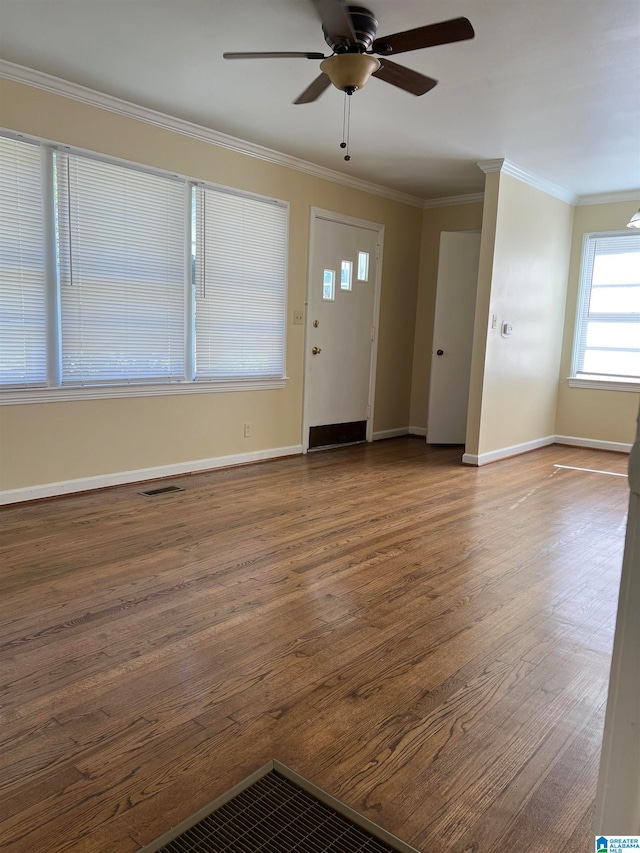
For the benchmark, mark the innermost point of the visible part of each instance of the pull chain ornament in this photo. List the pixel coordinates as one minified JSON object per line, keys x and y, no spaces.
{"x":346,"y":123}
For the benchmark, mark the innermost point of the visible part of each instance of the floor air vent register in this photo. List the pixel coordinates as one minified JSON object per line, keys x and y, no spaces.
{"x":277,"y":811}
{"x":161,"y":490}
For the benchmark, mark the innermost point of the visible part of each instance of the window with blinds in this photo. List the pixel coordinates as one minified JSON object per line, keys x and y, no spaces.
{"x":121,"y":251}
{"x":23,"y":313}
{"x":117,"y":275}
{"x":607,"y":340}
{"x":240,"y":281}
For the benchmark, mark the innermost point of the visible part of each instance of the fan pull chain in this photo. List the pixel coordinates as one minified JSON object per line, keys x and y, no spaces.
{"x":346,"y":124}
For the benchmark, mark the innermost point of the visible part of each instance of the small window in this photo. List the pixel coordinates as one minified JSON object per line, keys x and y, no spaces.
{"x":345,"y":275}
{"x":363,"y":266}
{"x":329,"y":285}
{"x":607,"y":338}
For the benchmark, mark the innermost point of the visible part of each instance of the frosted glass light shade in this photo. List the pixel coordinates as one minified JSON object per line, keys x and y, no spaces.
{"x":349,"y":71}
{"x":634,"y":222}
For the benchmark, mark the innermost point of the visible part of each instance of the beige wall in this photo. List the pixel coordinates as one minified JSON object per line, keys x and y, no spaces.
{"x":586,"y":412}
{"x":51,"y":442}
{"x":514,"y":385}
{"x":483,"y":298}
{"x":515,"y":380}
{"x":463,"y":217}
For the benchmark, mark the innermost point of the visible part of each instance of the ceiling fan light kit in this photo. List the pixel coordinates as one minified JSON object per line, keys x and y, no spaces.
{"x":349,"y":71}
{"x":350,"y":32}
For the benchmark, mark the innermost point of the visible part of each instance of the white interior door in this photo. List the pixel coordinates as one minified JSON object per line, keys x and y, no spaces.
{"x":453,"y":337}
{"x":341,"y":331}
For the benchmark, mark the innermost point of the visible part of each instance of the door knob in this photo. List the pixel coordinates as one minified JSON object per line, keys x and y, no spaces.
{"x":316,"y":350}
{"x":440,"y":352}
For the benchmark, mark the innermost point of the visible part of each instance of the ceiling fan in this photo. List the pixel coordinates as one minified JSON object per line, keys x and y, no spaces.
{"x":351,"y":33}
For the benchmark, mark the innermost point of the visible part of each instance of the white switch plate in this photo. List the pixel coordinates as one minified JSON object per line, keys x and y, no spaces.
{"x":298,"y":318}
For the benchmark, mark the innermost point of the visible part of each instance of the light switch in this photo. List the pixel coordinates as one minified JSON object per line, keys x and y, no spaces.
{"x":298,"y":318}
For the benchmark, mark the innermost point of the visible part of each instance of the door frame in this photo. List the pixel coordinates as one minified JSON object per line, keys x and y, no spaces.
{"x":318,"y":213}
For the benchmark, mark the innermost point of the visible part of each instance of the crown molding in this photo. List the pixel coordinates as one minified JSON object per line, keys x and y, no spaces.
{"x":610,"y":198}
{"x":488,"y":166}
{"x":76,"y":92}
{"x":452,"y":200}
{"x":509,"y":168}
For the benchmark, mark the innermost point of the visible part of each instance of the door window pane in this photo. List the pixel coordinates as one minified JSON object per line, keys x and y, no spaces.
{"x":329,"y":285}
{"x":345,"y":275}
{"x":363,"y":266}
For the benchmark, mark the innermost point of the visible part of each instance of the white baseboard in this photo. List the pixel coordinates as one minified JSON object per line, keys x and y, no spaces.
{"x":506,"y":452}
{"x":84,"y":484}
{"x":390,"y":433}
{"x":516,"y":449}
{"x":394,"y":433}
{"x":594,"y":443}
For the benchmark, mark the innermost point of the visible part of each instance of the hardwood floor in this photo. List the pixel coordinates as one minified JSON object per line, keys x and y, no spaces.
{"x":426,"y":641}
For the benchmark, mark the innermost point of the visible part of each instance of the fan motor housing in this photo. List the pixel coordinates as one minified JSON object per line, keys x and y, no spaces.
{"x":365,"y":27}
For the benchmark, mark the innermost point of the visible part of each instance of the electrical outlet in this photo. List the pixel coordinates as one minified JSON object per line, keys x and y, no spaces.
{"x":298,"y":318}
{"x":247,"y":430}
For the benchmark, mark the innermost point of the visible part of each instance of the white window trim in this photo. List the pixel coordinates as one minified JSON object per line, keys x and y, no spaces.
{"x":591,"y":381}
{"x":11,"y":396}
{"x":603,"y":384}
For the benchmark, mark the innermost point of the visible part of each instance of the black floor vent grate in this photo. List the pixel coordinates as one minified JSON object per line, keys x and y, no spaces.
{"x":276,"y":815}
{"x":162,"y":490}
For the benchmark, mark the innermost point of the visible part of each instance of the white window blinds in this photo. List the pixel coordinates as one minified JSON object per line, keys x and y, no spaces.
{"x":240,"y":280}
{"x":121,"y":244}
{"x":608,"y":322}
{"x":23,"y":349}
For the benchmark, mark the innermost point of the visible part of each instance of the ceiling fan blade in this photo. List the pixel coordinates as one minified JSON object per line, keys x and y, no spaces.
{"x":335,"y":20}
{"x":312,"y":92}
{"x":445,"y":32}
{"x":274,"y":55}
{"x":404,"y":78}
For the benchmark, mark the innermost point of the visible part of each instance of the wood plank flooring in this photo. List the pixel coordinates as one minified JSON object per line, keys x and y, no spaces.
{"x":426,"y":641}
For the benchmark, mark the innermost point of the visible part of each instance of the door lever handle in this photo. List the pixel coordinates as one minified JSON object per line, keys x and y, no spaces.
{"x":316,"y":350}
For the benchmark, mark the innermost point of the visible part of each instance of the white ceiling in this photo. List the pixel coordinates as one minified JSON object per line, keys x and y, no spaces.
{"x":551,"y":85}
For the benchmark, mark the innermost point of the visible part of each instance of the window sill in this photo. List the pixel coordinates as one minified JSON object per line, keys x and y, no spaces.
{"x":16,"y":396}
{"x":603,"y":384}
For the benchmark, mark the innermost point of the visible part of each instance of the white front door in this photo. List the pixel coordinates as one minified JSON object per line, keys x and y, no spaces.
{"x":341,"y":330}
{"x":453,"y":337}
